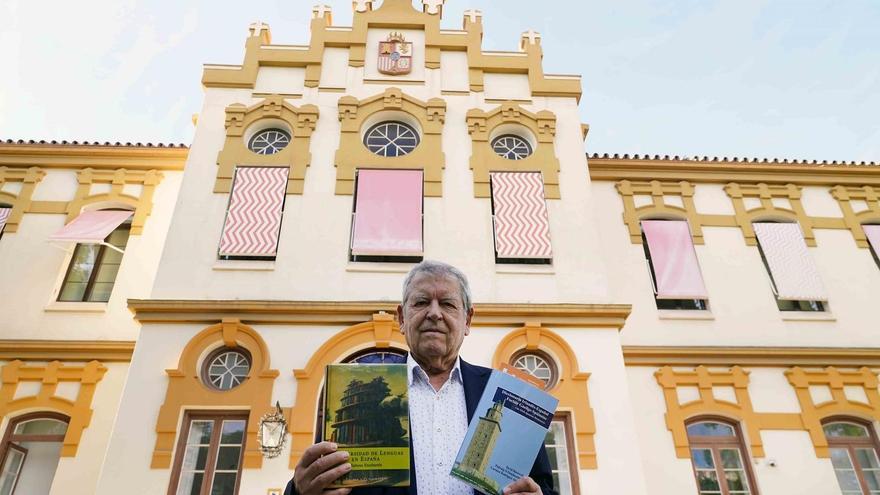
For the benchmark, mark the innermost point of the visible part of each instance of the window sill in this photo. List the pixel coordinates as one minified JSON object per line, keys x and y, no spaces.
{"x":244,"y":265}
{"x":75,"y":307}
{"x":526,"y":269}
{"x":685,"y":314}
{"x":378,"y":267}
{"x":807,"y":316}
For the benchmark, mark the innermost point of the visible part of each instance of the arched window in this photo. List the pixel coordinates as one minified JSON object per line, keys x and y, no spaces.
{"x":269,"y":141}
{"x":537,"y":364}
{"x":391,"y":139}
{"x":721,"y":464}
{"x":93,"y":267}
{"x":225,"y":368}
{"x":512,"y":147}
{"x":5,"y":211}
{"x":30,"y":453}
{"x":854,"y":455}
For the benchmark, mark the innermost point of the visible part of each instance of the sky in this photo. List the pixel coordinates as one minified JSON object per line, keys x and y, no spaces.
{"x":797,"y":79}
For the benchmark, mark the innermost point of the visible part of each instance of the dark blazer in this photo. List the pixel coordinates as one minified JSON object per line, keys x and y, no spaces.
{"x":474,"y":379}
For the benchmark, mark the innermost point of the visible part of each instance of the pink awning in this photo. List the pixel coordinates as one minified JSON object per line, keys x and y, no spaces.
{"x":873,"y":233}
{"x":388,"y":213}
{"x":522,"y":228}
{"x":91,"y":227}
{"x":253,"y":220}
{"x":4,"y":215}
{"x":795,"y":275}
{"x":676,"y":268}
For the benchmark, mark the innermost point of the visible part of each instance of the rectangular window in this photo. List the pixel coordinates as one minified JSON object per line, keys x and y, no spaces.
{"x":520,"y":221}
{"x":92,"y":272}
{"x":387,"y":217}
{"x":253,"y":217}
{"x":209,"y":454}
{"x":673,"y":265}
{"x":559,"y":444}
{"x":873,"y":234}
{"x":4,"y":215}
{"x":794,"y":276}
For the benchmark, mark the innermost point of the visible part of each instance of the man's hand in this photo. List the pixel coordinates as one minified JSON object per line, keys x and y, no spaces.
{"x":523,"y":486}
{"x":320,"y":465}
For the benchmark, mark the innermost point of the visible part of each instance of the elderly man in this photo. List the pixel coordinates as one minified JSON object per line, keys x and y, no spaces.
{"x":435,"y":316}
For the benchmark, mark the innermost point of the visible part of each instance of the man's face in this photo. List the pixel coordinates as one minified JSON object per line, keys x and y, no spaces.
{"x":434,"y":320}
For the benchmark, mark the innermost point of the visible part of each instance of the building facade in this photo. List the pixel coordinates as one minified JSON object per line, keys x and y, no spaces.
{"x":706,"y":324}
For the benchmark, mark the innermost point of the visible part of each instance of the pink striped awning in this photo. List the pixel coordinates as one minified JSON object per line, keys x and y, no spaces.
{"x":388,"y":213}
{"x":522,"y":228}
{"x":676,"y":268}
{"x":4,"y":215}
{"x":795,"y":275}
{"x":873,"y":233}
{"x":91,"y":227}
{"x":253,"y":220}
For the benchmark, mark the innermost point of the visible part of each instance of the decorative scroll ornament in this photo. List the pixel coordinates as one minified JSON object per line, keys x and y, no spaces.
{"x":395,"y":55}
{"x":272,"y":433}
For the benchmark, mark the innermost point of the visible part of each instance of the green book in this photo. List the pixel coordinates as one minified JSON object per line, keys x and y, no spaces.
{"x":366,"y":412}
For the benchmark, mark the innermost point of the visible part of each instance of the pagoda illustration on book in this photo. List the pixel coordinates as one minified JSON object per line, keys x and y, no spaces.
{"x":366,"y":412}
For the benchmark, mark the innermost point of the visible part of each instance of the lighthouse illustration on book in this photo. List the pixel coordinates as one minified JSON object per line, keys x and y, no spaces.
{"x":476,"y":458}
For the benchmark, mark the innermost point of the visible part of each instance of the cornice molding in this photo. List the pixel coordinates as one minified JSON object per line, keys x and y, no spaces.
{"x":66,"y":350}
{"x":775,"y":357}
{"x":721,"y":171}
{"x":353,"y":312}
{"x":97,"y":157}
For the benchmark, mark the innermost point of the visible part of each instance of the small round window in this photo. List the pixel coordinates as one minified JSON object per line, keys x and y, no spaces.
{"x":512,"y":147}
{"x":226,"y":369}
{"x":269,"y":141}
{"x":391,"y":139}
{"x":538,"y":365}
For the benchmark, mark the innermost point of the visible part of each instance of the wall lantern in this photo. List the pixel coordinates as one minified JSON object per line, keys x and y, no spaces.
{"x":273,"y":432}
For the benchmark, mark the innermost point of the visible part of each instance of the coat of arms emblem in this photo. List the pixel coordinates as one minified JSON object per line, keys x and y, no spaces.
{"x":395,"y":55}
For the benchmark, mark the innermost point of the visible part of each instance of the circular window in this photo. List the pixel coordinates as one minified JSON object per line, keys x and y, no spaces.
{"x":512,"y":147}
{"x":373,"y":356}
{"x":538,"y":365}
{"x":269,"y":141}
{"x":391,"y":139}
{"x":226,"y":369}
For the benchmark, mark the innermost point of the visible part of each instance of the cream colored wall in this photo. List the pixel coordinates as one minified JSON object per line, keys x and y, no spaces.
{"x":128,"y":456}
{"x":316,"y":224}
{"x":796,"y":470}
{"x":36,"y":269}
{"x":283,"y":80}
{"x":742,"y":307}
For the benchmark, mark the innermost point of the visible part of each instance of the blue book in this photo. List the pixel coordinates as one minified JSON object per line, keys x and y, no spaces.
{"x":505,"y":435}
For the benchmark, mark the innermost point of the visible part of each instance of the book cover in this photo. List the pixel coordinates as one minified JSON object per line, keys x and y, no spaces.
{"x":366,"y":413}
{"x":506,"y":434}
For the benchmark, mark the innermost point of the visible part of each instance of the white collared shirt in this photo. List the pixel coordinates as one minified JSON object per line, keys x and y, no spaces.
{"x":438,"y":423}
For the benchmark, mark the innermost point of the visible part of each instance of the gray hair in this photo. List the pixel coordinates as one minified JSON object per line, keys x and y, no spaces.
{"x":438,"y":268}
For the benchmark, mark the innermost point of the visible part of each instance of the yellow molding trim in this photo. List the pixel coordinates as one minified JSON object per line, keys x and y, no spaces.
{"x":186,"y":389}
{"x":393,"y":14}
{"x":482,"y":127}
{"x":840,"y":405}
{"x":571,"y":388}
{"x":52,"y":156}
{"x":852,"y":220}
{"x":356,"y":115}
{"x":704,"y":379}
{"x":66,"y":350}
{"x":380,"y":331}
{"x":775,"y":357}
{"x":21,"y":202}
{"x":615,"y":169}
{"x":79,"y":410}
{"x":766,"y":193}
{"x":354,"y":312}
{"x":296,"y":156}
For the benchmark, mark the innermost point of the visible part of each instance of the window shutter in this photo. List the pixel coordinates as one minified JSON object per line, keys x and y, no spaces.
{"x":388,"y":213}
{"x":522,"y":229}
{"x":674,"y":259}
{"x":795,"y":275}
{"x":91,"y":227}
{"x":253,"y":220}
{"x":4,"y":215}
{"x":872,"y":231}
